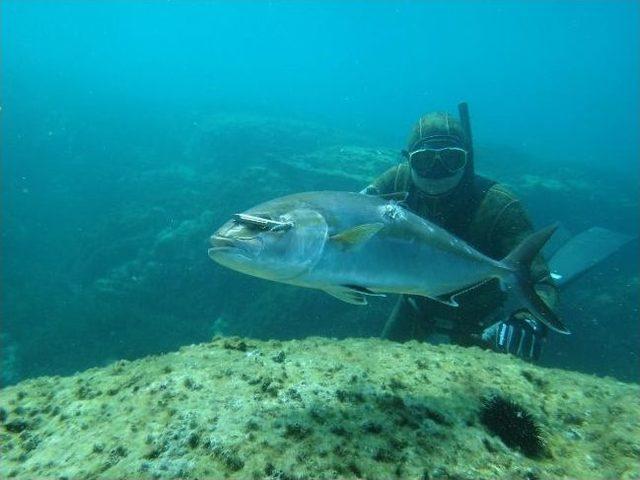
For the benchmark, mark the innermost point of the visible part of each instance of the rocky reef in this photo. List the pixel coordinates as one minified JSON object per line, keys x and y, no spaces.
{"x":126,"y":274}
{"x":320,"y":408}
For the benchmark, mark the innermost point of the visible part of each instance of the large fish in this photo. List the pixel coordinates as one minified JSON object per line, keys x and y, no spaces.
{"x":353,"y":245}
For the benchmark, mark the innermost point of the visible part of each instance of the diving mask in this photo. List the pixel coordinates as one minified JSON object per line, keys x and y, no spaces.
{"x":425,"y":161}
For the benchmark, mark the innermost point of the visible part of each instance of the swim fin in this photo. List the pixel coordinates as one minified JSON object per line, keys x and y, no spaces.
{"x":583,"y":252}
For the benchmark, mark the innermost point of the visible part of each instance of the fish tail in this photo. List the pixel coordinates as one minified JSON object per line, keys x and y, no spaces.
{"x":520,"y":284}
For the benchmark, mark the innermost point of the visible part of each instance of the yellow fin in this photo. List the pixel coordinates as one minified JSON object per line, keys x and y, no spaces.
{"x":358,"y":234}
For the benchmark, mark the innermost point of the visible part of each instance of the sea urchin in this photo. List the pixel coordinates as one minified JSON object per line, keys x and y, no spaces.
{"x":516,"y":427}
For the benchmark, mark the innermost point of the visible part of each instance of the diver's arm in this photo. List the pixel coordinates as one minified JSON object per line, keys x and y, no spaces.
{"x":369,"y":190}
{"x":383,"y":184}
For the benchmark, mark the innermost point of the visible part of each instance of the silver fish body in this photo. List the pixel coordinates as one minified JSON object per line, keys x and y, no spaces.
{"x":353,"y":245}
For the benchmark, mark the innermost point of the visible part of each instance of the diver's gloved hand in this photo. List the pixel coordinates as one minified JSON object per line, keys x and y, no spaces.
{"x":520,"y":335}
{"x":369,"y":190}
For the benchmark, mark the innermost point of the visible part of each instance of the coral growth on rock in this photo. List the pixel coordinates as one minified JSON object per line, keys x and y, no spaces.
{"x":316,"y":408}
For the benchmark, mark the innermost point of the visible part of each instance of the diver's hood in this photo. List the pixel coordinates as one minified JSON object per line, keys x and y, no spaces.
{"x":437,"y":130}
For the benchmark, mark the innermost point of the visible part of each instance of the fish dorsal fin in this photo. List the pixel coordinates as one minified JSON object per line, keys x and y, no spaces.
{"x":357,"y":235}
{"x":353,"y":294}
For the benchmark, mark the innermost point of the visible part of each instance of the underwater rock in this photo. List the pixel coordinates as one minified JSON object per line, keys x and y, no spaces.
{"x":9,"y":359}
{"x":254,"y":137}
{"x":336,"y":410}
{"x":343,"y":167}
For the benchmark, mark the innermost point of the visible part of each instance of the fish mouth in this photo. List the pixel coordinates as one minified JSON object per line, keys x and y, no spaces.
{"x":225,"y":246}
{"x":219,"y":243}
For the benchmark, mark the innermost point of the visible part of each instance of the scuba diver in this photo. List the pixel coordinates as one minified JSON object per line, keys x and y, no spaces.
{"x":438,"y":177}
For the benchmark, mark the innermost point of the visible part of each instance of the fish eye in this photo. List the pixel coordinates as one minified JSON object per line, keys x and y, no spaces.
{"x":263,"y":222}
{"x":253,"y":222}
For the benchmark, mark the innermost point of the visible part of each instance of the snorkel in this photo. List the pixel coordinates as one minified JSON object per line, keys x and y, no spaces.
{"x":465,"y":122}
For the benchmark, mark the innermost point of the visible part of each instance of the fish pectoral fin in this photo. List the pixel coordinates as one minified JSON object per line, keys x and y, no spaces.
{"x":357,"y":235}
{"x":349,"y":295}
{"x":450,"y":298}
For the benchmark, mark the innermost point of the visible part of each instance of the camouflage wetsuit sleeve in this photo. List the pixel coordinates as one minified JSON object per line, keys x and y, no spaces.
{"x":385,"y":183}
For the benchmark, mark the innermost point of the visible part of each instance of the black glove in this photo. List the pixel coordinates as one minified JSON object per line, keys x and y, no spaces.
{"x":520,"y":335}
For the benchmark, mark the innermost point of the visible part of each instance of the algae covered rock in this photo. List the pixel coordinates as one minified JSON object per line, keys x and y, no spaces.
{"x":345,"y":167}
{"x":317,"y":408}
{"x":251,"y":136}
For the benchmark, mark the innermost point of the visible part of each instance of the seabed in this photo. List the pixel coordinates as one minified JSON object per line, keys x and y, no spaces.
{"x":315,"y":408}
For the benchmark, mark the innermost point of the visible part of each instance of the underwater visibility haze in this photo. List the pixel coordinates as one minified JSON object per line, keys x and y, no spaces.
{"x":131,"y":131}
